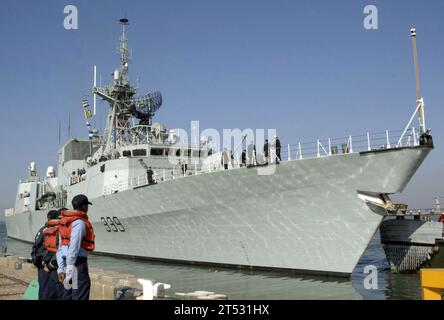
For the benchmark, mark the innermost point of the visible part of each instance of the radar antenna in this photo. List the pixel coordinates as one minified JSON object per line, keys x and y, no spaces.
{"x":124,"y":107}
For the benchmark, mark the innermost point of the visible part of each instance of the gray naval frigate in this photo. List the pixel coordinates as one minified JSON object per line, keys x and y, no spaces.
{"x":316,"y":213}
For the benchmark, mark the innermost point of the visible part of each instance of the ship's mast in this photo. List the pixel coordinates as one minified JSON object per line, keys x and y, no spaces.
{"x":124,"y":108}
{"x":123,"y":52}
{"x":419,"y":99}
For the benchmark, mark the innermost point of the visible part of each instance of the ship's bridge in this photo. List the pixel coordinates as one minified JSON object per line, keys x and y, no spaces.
{"x":164,"y":150}
{"x":76,"y":149}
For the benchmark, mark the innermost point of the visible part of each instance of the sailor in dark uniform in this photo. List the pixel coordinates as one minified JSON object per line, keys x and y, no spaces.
{"x":149,"y":174}
{"x":277,"y":146}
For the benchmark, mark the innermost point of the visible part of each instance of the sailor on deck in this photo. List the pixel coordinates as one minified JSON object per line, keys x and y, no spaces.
{"x":244,"y":158}
{"x":266,"y":151}
{"x":277,"y":147}
{"x":225,"y":159}
{"x":149,"y":174}
{"x":251,"y":151}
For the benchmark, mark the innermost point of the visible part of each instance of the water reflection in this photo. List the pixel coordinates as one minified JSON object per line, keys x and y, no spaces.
{"x":237,"y":284}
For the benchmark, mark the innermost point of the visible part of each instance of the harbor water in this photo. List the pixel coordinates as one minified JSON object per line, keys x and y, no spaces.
{"x":247,"y":284}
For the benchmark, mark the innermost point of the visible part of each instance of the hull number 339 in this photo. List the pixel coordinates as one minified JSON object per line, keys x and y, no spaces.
{"x":112,"y":224}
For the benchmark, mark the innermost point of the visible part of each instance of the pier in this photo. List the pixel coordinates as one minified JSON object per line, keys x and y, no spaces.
{"x":11,"y":288}
{"x":16,"y":275}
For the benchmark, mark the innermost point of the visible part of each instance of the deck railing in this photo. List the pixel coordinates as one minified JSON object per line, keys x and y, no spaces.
{"x":349,"y":144}
{"x":142,"y":180}
{"x":320,"y":148}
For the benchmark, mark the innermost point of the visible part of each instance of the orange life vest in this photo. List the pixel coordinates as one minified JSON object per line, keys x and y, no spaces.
{"x":68,"y":217}
{"x":51,"y":233}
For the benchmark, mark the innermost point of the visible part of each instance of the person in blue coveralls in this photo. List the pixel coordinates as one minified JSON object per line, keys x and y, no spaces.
{"x":75,"y":243}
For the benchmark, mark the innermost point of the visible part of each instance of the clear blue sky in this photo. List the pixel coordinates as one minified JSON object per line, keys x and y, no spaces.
{"x":307,"y":68}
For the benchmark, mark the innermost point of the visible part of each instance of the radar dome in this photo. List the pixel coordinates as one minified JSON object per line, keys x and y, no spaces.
{"x":50,"y":172}
{"x":157,"y":126}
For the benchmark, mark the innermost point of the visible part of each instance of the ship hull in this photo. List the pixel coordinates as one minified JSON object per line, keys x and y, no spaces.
{"x":306,"y":217}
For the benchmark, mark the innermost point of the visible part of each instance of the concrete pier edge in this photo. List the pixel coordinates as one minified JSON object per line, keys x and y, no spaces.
{"x":105,"y":284}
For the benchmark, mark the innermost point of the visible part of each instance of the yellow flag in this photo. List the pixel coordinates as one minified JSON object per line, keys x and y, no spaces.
{"x":87,"y":113}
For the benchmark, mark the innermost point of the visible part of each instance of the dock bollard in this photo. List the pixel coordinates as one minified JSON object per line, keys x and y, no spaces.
{"x":159,"y":289}
{"x":147,"y":286}
{"x":151,"y":290}
{"x":432,"y":282}
{"x":18,"y":265}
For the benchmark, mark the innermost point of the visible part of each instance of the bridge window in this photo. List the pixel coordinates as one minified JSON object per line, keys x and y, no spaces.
{"x":139,"y":152}
{"x":172,"y":152}
{"x":156,"y":151}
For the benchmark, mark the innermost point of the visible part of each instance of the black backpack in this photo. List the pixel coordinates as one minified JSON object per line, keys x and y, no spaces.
{"x":38,"y":249}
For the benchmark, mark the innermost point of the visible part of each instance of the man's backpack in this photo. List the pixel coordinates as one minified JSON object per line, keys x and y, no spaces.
{"x":38,"y":249}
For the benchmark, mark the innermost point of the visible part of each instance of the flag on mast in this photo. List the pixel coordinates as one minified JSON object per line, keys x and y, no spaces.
{"x":85,"y":104}
{"x":86,"y":109}
{"x":87,"y":114}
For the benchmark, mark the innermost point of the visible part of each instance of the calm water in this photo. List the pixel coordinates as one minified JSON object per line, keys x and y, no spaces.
{"x":240,"y":284}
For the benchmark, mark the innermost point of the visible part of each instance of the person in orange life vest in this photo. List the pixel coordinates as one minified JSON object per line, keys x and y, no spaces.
{"x":76,"y":236}
{"x":43,"y":257}
{"x":51,"y":242}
